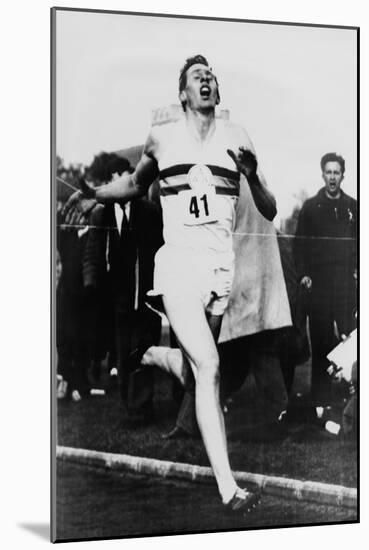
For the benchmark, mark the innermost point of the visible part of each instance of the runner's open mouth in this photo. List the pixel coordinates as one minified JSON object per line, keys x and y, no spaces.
{"x":205,"y":92}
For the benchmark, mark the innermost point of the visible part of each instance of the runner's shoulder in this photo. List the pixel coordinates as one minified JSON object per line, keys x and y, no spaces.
{"x":160,"y":136}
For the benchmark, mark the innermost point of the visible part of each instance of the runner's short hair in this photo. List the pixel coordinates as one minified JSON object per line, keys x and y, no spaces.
{"x":332,"y":157}
{"x":183,"y":73}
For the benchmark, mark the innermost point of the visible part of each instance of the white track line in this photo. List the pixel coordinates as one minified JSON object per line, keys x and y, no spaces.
{"x":311,"y":491}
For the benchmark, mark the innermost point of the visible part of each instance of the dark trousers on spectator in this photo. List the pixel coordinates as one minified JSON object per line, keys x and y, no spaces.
{"x":333,"y":302}
{"x":238,"y":358}
{"x":134,"y":329}
{"x":76,"y":323}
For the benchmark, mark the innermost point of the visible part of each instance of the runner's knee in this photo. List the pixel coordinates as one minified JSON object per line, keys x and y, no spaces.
{"x":207,"y":370}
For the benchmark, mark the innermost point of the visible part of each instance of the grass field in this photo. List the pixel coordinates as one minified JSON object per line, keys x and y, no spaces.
{"x":304,"y":452}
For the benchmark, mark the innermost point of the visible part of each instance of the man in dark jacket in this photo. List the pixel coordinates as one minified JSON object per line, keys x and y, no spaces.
{"x":120,"y":257}
{"x":326,"y":259}
{"x":76,"y":314}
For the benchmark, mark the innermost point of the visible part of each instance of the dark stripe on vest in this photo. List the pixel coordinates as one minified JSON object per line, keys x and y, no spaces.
{"x":175,"y":189}
{"x":183,"y":169}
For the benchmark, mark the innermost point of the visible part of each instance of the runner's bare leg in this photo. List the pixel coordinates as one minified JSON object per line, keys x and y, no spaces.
{"x":173,"y":360}
{"x":187,"y":318}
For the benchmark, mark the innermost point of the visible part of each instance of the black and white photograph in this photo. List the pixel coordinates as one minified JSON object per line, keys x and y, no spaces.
{"x":204,"y":228}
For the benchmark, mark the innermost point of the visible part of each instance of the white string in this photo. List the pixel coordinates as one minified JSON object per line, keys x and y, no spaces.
{"x":273,"y":235}
{"x":287,"y":236}
{"x":67,"y":183}
{"x":269,"y":235}
{"x":81,"y":225}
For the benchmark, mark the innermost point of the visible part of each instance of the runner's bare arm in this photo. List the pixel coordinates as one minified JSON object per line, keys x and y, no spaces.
{"x":245,"y":160}
{"x":122,"y":189}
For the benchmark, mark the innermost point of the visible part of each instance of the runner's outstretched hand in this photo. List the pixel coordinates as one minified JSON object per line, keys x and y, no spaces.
{"x":79,"y":205}
{"x":245,"y":160}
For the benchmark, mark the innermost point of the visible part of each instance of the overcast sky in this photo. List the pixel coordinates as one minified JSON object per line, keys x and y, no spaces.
{"x":293,"y":88}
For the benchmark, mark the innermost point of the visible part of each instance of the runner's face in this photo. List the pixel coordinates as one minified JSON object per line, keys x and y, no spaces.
{"x":201,"y":91}
{"x":332,"y":176}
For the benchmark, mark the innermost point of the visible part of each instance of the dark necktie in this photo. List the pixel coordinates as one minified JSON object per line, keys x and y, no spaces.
{"x":128,"y":251}
{"x":124,"y":228}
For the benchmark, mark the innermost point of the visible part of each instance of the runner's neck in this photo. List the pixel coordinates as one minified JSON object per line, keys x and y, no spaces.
{"x":202,"y":125}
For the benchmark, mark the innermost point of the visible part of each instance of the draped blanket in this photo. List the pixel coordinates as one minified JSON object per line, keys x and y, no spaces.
{"x":259,"y":298}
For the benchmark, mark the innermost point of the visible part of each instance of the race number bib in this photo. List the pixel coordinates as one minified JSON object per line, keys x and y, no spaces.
{"x":199,"y":203}
{"x":198,"y":208}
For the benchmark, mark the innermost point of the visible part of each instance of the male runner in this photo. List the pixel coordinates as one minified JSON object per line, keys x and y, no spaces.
{"x":195,"y":160}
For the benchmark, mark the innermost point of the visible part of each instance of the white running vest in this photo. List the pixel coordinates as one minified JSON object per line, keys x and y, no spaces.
{"x":199,"y":186}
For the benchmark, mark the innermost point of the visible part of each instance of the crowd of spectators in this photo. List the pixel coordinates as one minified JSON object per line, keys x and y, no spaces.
{"x":105,"y":269}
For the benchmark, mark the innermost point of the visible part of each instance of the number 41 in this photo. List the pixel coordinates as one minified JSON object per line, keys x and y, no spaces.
{"x":194,"y":206}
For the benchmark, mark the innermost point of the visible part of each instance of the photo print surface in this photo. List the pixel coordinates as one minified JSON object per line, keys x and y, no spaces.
{"x":204,"y":183}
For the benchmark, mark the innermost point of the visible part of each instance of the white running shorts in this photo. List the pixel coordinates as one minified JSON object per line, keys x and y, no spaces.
{"x":184,"y":271}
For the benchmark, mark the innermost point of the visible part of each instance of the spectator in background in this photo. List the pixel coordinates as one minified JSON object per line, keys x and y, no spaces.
{"x":120,"y":256}
{"x":75,"y":315}
{"x":292,"y":341}
{"x":99,"y":172}
{"x":62,"y":385}
{"x":343,"y":368}
{"x":326,"y":261}
{"x":349,"y":415}
{"x":58,"y":269}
